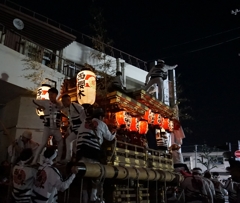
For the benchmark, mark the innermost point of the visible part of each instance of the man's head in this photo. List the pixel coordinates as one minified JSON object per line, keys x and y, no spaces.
{"x":98,"y":113}
{"x":160,"y":63}
{"x":66,"y":100}
{"x":53,"y":92}
{"x":26,"y":155}
{"x":50,"y":153}
{"x":197,"y":171}
{"x":207,"y":175}
{"x":215,"y":175}
{"x":26,"y":136}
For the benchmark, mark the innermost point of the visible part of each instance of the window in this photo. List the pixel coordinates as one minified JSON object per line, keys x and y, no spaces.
{"x":71,"y":70}
{"x":219,"y":161}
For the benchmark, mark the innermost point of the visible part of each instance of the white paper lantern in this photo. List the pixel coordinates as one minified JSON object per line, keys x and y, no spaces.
{"x":86,"y":87}
{"x":42,"y":94}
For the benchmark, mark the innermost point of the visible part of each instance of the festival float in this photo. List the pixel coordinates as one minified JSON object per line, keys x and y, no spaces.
{"x":132,"y":172}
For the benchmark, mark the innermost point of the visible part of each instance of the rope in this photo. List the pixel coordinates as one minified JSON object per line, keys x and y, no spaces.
{"x":114,"y":150}
{"x":137,"y":171}
{"x":81,"y":190}
{"x":146,"y":173}
{"x":127,"y":177}
{"x":155,"y":174}
{"x":137,"y":186}
{"x":164,"y":189}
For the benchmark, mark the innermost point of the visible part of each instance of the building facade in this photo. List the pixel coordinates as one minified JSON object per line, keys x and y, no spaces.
{"x":220,"y":164}
{"x":36,"y":50}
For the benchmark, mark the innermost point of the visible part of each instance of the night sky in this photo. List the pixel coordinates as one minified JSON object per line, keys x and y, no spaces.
{"x":201,"y":36}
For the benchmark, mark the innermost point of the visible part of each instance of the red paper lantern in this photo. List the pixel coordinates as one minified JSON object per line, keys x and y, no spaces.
{"x":147,"y":114}
{"x":143,"y":127}
{"x":157,"y":119}
{"x":123,"y":118}
{"x":151,"y":118}
{"x":167,"y":124}
{"x":134,"y":124}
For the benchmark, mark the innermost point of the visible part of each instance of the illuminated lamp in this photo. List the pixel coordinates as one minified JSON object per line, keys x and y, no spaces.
{"x":171,"y":126}
{"x":146,"y":115}
{"x":151,"y":118}
{"x":167,"y":124}
{"x":42,"y":94}
{"x":157,"y":119}
{"x":86,"y":87}
{"x":123,"y":118}
{"x":134,"y":125}
{"x":143,"y":127}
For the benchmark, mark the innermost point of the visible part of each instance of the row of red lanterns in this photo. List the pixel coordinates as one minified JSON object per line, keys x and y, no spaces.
{"x":141,"y":126}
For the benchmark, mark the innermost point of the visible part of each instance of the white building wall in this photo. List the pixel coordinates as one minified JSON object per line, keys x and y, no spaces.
{"x":19,"y":115}
{"x":166,"y":92}
{"x":81,"y":54}
{"x":12,"y":65}
{"x":135,"y":73}
{"x":191,"y":163}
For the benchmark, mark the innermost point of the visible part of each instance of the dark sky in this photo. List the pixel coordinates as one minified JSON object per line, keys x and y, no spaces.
{"x":201,"y":36}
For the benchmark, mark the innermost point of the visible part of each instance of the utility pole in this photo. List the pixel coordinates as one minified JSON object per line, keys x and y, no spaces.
{"x":195,"y":156}
{"x":229,"y":146}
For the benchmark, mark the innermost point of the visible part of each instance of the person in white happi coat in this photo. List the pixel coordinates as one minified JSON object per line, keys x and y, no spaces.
{"x":196,"y":188}
{"x":76,"y":115}
{"x":157,"y":75}
{"x":23,"y":177}
{"x":207,"y":177}
{"x":23,"y":142}
{"x":49,"y":180}
{"x":91,"y":134}
{"x":52,"y":119}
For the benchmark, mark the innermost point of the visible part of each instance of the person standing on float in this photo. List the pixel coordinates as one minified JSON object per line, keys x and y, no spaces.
{"x":52,"y":118}
{"x":157,"y":75}
{"x":76,"y":115}
{"x":90,"y":137}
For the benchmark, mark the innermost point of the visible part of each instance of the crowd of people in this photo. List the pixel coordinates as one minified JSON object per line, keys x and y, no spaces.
{"x":206,"y":187}
{"x":35,"y":177}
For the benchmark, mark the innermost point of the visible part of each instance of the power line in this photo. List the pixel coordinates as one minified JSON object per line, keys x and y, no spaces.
{"x":196,"y":50}
{"x":195,"y":40}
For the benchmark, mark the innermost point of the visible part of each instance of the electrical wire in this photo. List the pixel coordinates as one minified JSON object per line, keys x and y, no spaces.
{"x":200,"y":49}
{"x":195,"y":40}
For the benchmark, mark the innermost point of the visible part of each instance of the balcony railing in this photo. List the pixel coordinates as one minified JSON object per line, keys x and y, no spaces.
{"x":81,"y":38}
{"x":39,"y":53}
